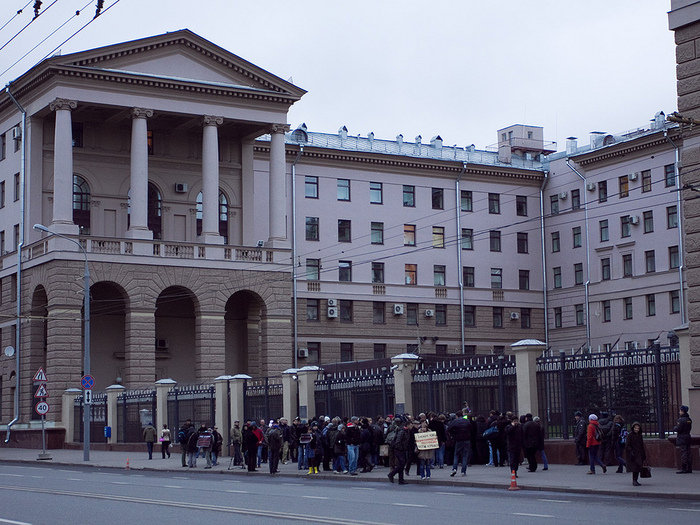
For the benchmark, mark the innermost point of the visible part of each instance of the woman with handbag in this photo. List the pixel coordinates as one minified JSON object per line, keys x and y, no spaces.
{"x":634,"y":450}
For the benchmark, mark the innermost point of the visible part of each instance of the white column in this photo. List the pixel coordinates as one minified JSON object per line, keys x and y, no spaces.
{"x":403,"y":365}
{"x":307,"y":395}
{"x":63,"y":167}
{"x":290,"y":393}
{"x":278,"y":205}
{"x":138,"y":228}
{"x":210,"y":181}
{"x":113,"y":392}
{"x":526,"y":353}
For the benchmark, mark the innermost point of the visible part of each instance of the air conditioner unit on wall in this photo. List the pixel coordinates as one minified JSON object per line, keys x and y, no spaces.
{"x":633,"y":176}
{"x":634,"y":219}
{"x":180,"y":187}
{"x":17,"y":133}
{"x":591,"y":186}
{"x":332,"y":303}
{"x":303,"y":352}
{"x":398,"y":309}
{"x":332,"y":313}
{"x":563,"y":195}
{"x":430,"y":313}
{"x":514,"y":316}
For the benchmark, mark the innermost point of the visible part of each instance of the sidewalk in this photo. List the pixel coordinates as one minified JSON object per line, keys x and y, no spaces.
{"x":664,"y":483}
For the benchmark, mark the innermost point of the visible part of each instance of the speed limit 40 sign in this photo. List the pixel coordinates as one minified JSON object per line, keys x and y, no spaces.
{"x":42,"y":408}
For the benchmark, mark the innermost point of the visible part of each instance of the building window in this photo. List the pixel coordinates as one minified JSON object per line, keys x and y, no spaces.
{"x":16,"y":187}
{"x":343,"y":190}
{"x":313,"y":269}
{"x":377,"y":272}
{"x":411,"y":274}
{"x":314,"y":353}
{"x":344,"y":230}
{"x":646,"y":181}
{"x":579,"y":314}
{"x":497,"y":278}
{"x":523,"y":279}
{"x":466,"y":202}
{"x":606,"y":311}
{"x":625,"y":230}
{"x":439,"y":275}
{"x":312,"y":309}
{"x":440,"y":315}
{"x":345,"y":271}
{"x":576,"y":232}
{"x":469,"y":316}
{"x":77,"y":130}
{"x":379,"y":350}
{"x":494,"y":203}
{"x":670,"y":175}
{"x":557,"y":317}
{"x":578,"y":273}
{"x":650,"y":261}
{"x":467,"y":239}
{"x":438,"y":199}
{"x":16,"y":240}
{"x":672,"y":217}
{"x":81,"y":204}
{"x":346,"y":352}
{"x":412,"y":314}
{"x":651,"y":305}
{"x":375,"y":193}
{"x":377,"y":235}
{"x":648,"y":221}
{"x":311,"y":187}
{"x":378,"y":312}
{"x":627,"y":303}
{"x":2,"y":250}
{"x":525,"y":318}
{"x":575,"y":199}
{"x":604,"y":232}
{"x":605,"y":269}
{"x":624,"y":186}
{"x":522,"y":243}
{"x":312,"y":228}
{"x":521,"y":205}
{"x":557,"y":276}
{"x":409,"y":234}
{"x":675,"y":301}
{"x":497,"y":317}
{"x":3,"y":146}
{"x":554,"y":204}
{"x":438,"y":237}
{"x":627,"y":270}
{"x":223,"y":215}
{"x":674,"y":260}
{"x":149,"y":141}
{"x":555,"y":242}
{"x":603,"y":191}
{"x":345,"y":310}
{"x":2,"y":194}
{"x":409,"y":196}
{"x":468,"y":276}
{"x":495,"y":240}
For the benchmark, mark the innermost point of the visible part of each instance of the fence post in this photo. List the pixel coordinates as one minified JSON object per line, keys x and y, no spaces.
{"x":501,"y":384}
{"x":526,"y":353}
{"x":562,"y":390}
{"x":430,"y":389}
{"x":403,"y":365}
{"x":385,"y":401}
{"x":238,"y":397}
{"x":289,"y":394}
{"x":690,"y":394}
{"x":657,"y":389}
{"x":163,"y":386}
{"x":307,"y":400}
{"x":113,"y":392}
{"x":68,"y":412}
{"x":222,"y":410}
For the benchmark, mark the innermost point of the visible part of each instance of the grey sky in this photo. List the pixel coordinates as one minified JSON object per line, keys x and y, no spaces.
{"x":459,"y":68}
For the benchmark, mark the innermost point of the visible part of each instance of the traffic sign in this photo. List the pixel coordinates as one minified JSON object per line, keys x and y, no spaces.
{"x":87,"y":397}
{"x":42,"y":408}
{"x":87,"y":382}
{"x":40,"y":376}
{"x":41,"y":391}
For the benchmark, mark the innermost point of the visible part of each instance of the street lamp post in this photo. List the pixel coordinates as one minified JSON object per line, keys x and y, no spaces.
{"x":86,"y":336}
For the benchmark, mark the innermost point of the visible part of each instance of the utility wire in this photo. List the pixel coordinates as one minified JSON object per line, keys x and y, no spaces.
{"x":19,"y":12}
{"x":36,"y":15}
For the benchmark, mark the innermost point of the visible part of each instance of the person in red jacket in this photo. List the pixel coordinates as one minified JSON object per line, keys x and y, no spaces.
{"x":593,"y":444}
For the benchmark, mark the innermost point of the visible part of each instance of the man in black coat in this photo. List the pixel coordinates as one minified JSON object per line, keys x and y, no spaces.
{"x":606,"y":446}
{"x":531,"y":442}
{"x":461,"y":430}
{"x":683,"y":427}
{"x":400,"y":447}
{"x":580,"y":438}
{"x":514,"y":443}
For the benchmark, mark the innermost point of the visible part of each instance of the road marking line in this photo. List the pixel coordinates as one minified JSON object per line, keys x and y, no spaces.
{"x":238,"y":491}
{"x":120,"y":483}
{"x":687,"y":510}
{"x":293,"y":484}
{"x":450,"y":493}
{"x":172,"y":487}
{"x":532,"y":515}
{"x":362,"y":488}
{"x":180,"y":477}
{"x":13,"y":475}
{"x":12,"y":522}
{"x":554,"y":500}
{"x":315,"y":497}
{"x":408,"y":505}
{"x":73,"y":479}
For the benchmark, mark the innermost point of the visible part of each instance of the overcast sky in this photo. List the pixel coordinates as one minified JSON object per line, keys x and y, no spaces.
{"x":460,"y":69}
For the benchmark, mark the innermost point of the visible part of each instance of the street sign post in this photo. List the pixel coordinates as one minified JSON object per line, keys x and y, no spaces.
{"x":42,"y":407}
{"x":87,"y":397}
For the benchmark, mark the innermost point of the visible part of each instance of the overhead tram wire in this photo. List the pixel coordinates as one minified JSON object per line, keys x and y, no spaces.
{"x":19,"y":12}
{"x":37,"y":15}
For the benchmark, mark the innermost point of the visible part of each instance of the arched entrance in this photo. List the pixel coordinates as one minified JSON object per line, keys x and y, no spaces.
{"x":37,"y":337}
{"x":175,"y":335}
{"x":108,"y":304}
{"x":244,"y":350}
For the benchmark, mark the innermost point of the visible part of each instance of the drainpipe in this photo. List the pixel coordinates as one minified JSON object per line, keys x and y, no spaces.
{"x":588,"y":256}
{"x":19,"y":260}
{"x":544,"y":260}
{"x":460,"y":277}
{"x":295,"y":277}
{"x":681,"y":298}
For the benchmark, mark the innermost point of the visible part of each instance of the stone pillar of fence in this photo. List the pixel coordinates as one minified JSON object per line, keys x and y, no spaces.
{"x":403,"y":366}
{"x":68,"y":412}
{"x":526,"y":353}
{"x":307,"y":400}
{"x":163,"y":386}
{"x":690,"y":394}
{"x":222,"y":418}
{"x":237,"y":383}
{"x":112,"y":393}
{"x":290,"y":392}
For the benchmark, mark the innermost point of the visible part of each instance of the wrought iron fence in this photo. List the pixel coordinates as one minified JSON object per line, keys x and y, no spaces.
{"x":194,"y":402}
{"x":98,"y":418}
{"x":355,"y":393}
{"x":484,"y":383}
{"x":135,"y":409}
{"x":262,"y":398}
{"x":639,"y":384}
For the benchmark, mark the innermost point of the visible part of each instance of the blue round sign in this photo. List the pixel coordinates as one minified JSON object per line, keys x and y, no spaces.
{"x":87,"y":382}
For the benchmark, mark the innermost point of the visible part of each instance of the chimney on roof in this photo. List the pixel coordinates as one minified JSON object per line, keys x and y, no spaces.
{"x":418,"y":140}
{"x":370,"y":137}
{"x":659,"y":121}
{"x":472,"y":148}
{"x":436,"y":142}
{"x":343,"y":132}
{"x":571,"y":145}
{"x":505,"y":154}
{"x":399,"y":139}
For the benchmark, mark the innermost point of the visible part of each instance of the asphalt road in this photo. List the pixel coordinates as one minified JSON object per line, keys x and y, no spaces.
{"x":49,"y":494}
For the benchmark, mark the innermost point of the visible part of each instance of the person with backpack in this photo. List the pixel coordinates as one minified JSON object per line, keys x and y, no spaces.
{"x":619,"y":435}
{"x":192,"y":449}
{"x":183,"y":436}
{"x":217,"y":442}
{"x":400,"y":447}
{"x":149,"y":435}
{"x":274,"y":441}
{"x":593,"y":439}
{"x":607,"y":448}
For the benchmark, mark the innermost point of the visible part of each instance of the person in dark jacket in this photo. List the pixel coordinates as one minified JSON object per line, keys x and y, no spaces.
{"x":618,"y":433}
{"x":400,"y":447}
{"x":274,"y":441}
{"x":531,"y":440}
{"x":502,"y":445}
{"x":437,"y":425}
{"x":150,"y":434}
{"x":635,"y":453}
{"x":580,"y":438}
{"x":338,"y":440}
{"x":682,"y":429}
{"x":606,"y":445}
{"x":366,"y":446}
{"x":250,"y":443}
{"x":353,"y":440}
{"x":514,"y":443}
{"x":540,"y":447}
{"x":482,"y":446}
{"x":461,"y":429}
